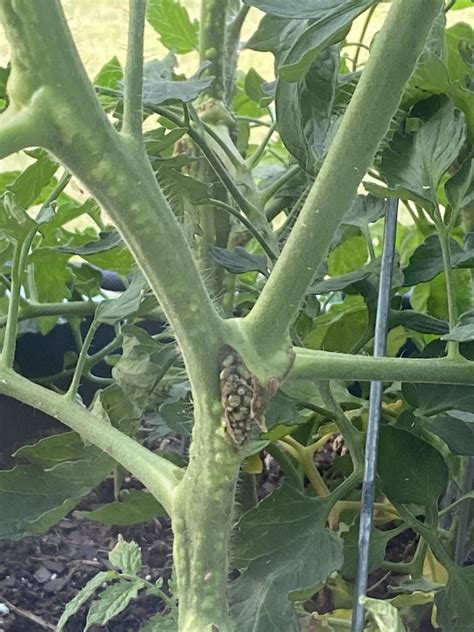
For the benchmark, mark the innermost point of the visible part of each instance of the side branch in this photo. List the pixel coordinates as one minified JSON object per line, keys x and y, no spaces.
{"x":324,"y":365}
{"x":375,"y":101}
{"x":158,"y":474}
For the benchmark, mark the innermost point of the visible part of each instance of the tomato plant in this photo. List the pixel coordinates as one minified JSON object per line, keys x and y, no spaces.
{"x":238,"y":223}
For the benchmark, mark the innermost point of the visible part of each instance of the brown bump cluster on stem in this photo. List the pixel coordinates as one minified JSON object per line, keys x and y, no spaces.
{"x":244,"y":399}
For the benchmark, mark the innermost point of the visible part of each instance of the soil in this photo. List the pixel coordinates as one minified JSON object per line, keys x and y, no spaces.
{"x":40,"y":575}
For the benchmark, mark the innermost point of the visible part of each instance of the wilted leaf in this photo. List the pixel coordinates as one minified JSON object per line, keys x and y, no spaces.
{"x":384,"y":614}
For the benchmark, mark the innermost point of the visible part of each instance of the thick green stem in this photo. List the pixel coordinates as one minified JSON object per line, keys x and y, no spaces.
{"x":321,"y":365}
{"x":232,"y":51}
{"x":202,"y":521}
{"x":157,"y":473}
{"x":212,"y":43}
{"x":132,"y":102}
{"x":375,"y":101}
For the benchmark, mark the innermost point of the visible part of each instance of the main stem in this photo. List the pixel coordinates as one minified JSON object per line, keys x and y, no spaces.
{"x":375,"y":101}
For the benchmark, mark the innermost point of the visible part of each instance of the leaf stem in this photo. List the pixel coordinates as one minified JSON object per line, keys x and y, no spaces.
{"x":258,"y":153}
{"x":20,"y":255}
{"x":133,"y":88}
{"x":267,"y":193}
{"x":443,"y":235}
{"x":248,"y":225}
{"x":363,"y":32}
{"x":81,"y":362}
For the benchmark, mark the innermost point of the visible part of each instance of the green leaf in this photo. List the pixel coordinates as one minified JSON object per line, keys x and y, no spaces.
{"x":107,"y":241}
{"x":276,"y":35}
{"x":303,"y":109}
{"x":110,"y":74}
{"x":29,"y":184}
{"x":412,"y":471}
{"x":431,"y":72}
{"x":116,"y":407}
{"x":417,"y":321}
{"x":166,"y":92}
{"x":83,"y":595}
{"x":126,"y":556}
{"x":378,"y":544}
{"x":383,"y":614}
{"x":414,"y":162}
{"x":112,"y":601}
{"x":461,"y":70}
{"x":455,"y":604}
{"x":15,"y":223}
{"x":160,"y":623}
{"x":127,"y":304}
{"x":432,"y":296}
{"x":430,"y":399}
{"x":257,"y":88}
{"x":330,"y":28}
{"x":138,"y":506}
{"x":143,"y":363}
{"x":456,"y":433}
{"x":171,"y":21}
{"x":283,"y":546}
{"x":303,"y":9}
{"x":464,"y":330}
{"x":53,"y":280}
{"x":32,"y":499}
{"x":340,"y":327}
{"x":52,"y":450}
{"x":238,"y":260}
{"x":427,"y":261}
{"x":365,"y":210}
{"x":460,"y":188}
{"x":108,"y":252}
{"x":349,"y":256}
{"x":461,"y":4}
